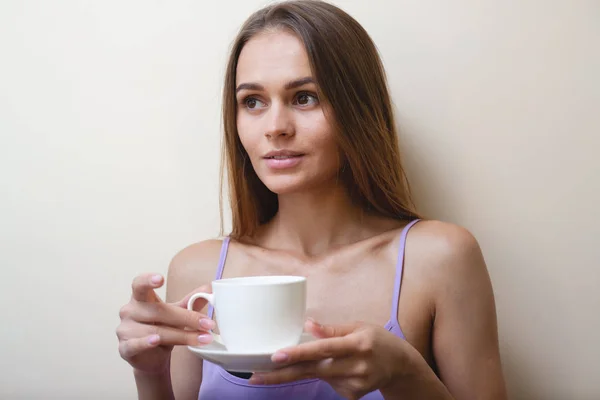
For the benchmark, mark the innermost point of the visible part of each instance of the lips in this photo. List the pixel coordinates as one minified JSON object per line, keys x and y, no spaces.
{"x":280,"y":157}
{"x":283,"y":159}
{"x":282,"y":154}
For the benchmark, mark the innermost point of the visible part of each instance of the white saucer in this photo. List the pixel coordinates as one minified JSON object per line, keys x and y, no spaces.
{"x":239,"y":362}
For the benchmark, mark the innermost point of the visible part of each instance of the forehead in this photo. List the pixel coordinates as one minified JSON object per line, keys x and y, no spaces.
{"x":273,"y":56}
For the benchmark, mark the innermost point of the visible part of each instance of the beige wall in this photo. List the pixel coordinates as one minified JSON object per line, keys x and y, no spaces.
{"x":109,"y":121}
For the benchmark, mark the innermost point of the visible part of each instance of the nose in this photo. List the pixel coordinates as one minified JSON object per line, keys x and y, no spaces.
{"x":279,"y":122}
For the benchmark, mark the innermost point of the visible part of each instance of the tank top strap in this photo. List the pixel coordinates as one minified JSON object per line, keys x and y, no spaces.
{"x":399,"y":269}
{"x":220,"y":267}
{"x":222,"y":258}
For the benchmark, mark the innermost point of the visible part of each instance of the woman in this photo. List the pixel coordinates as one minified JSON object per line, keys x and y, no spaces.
{"x":317,"y":189}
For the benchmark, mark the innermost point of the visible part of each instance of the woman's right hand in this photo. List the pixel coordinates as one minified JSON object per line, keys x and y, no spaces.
{"x":150,"y":327}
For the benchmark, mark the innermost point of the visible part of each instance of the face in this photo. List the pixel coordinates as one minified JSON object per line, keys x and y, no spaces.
{"x":280,"y":120}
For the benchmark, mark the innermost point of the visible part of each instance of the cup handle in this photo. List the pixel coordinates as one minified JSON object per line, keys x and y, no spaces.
{"x":211,"y":299}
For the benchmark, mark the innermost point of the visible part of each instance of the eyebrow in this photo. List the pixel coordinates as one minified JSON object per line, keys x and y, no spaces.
{"x":290,"y":85}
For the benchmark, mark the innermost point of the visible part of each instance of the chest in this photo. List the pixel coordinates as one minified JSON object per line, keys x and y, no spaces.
{"x":349,"y":287}
{"x":341,"y":288}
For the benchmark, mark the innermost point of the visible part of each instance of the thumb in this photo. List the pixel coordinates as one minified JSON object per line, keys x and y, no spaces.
{"x":202,"y":289}
{"x":329,"y":331}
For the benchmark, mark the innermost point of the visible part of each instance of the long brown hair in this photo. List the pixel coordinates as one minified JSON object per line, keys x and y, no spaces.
{"x":351,"y":79}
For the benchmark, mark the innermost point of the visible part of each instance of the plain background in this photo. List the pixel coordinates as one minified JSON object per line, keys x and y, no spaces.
{"x":109,"y":156}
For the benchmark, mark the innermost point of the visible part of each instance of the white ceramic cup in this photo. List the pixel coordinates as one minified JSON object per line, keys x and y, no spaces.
{"x":258,"y":314}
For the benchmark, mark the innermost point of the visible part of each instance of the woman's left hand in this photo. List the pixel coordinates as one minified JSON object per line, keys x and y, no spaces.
{"x":354,"y":359}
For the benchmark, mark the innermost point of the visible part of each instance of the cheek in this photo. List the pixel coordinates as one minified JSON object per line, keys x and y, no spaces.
{"x":328,"y":149}
{"x":248,"y":136}
{"x":318,"y":131}
{"x":331,"y":158}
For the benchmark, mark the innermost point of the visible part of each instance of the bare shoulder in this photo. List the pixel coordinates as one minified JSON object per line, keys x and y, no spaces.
{"x":444,"y":237}
{"x":192,"y":267}
{"x":448,"y":259}
{"x":444,"y":251}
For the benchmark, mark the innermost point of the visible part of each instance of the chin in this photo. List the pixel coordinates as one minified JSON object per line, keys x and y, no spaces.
{"x":286,"y":184}
{"x":282,"y":185}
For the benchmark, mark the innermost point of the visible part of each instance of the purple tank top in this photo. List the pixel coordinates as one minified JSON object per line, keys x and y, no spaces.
{"x":218,"y":384}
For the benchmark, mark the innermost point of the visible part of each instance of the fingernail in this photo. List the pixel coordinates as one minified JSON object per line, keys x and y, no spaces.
{"x":154,"y":339}
{"x":207,"y":323}
{"x":315,"y":323}
{"x":156,"y":279}
{"x":205,"y":339}
{"x":257,"y":379}
{"x":279,"y":357}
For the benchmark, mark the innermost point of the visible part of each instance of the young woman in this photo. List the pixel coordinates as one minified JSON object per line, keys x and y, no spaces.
{"x":317,"y":189}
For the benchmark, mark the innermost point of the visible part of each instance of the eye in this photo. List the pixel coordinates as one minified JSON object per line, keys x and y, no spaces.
{"x":252,"y":103}
{"x":305,"y":99}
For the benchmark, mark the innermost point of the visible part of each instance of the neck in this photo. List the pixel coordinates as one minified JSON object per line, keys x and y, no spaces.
{"x":310,"y":223}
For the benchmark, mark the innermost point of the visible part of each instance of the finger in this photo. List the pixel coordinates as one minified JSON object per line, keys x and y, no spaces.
{"x":170,"y":315}
{"x":143,"y":286}
{"x":132,"y":347}
{"x":292,"y":373}
{"x":329,"y":368}
{"x":329,"y":331}
{"x":317,"y":350}
{"x":169,"y":336}
{"x":202,"y":289}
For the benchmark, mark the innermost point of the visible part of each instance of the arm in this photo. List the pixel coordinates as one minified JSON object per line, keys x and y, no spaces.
{"x":153,"y":387}
{"x":419,"y":383}
{"x":465,"y":336}
{"x":191,"y":268}
{"x":465,"y":331}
